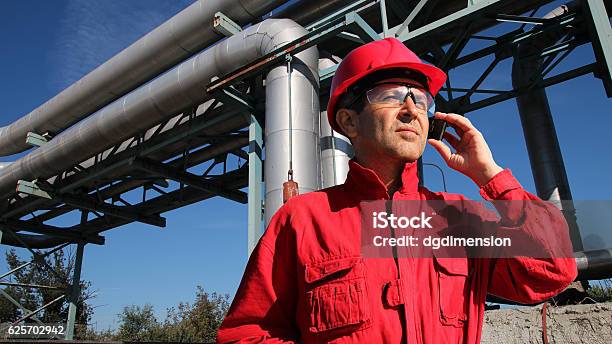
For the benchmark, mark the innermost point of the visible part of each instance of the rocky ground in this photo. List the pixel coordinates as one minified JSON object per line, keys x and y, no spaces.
{"x":590,"y":324}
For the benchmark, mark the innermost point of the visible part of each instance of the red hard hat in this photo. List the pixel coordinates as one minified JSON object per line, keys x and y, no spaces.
{"x":388,"y":53}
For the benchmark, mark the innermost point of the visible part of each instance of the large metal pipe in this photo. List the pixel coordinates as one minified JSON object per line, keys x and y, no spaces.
{"x":181,"y":36}
{"x":545,"y":156}
{"x":596,"y":264}
{"x":336,"y":149}
{"x":292,"y":120}
{"x":180,"y":88}
{"x":304,"y":12}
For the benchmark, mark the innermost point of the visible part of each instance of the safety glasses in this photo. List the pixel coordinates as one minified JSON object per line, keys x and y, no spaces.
{"x":395,"y":94}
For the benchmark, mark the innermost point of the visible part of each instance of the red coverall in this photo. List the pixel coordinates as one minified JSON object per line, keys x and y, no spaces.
{"x":306,"y":281}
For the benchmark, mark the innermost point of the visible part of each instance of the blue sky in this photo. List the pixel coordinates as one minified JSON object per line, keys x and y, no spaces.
{"x":48,"y":45}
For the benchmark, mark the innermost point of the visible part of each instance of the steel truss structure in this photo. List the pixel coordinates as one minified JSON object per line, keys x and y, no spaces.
{"x":229,"y":129}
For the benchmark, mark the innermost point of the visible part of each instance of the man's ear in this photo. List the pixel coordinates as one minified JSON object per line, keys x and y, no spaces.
{"x":348,"y":121}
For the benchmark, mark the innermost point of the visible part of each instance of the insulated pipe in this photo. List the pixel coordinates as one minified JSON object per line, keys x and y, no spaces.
{"x":292,"y":127}
{"x":304,"y":12}
{"x":336,"y":149}
{"x":175,"y":40}
{"x":180,"y":88}
{"x":547,"y":164}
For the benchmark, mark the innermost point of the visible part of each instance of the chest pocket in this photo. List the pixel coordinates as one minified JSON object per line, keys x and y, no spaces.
{"x":336,"y":296}
{"x":454,"y":290}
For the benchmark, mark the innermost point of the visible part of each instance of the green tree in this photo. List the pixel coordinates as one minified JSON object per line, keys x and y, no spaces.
{"x":197,"y":322}
{"x":139,"y":324}
{"x":53,"y":270}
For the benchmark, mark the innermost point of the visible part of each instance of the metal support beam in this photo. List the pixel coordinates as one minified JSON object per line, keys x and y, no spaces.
{"x":520,"y":19}
{"x":236,"y":179}
{"x":362,"y":28}
{"x":383,"y":18}
{"x":463,"y":15}
{"x":188,"y":179}
{"x":598,"y":23}
{"x":37,"y":256}
{"x":39,"y":228}
{"x":17,"y":304}
{"x":75,"y":288}
{"x":232,"y":95}
{"x":31,"y":314}
{"x":42,"y":188}
{"x":223,"y":25}
{"x":212,"y":117}
{"x":255,"y":211}
{"x":506,"y":42}
{"x":410,"y":18}
{"x":33,"y":286}
{"x":195,"y":158}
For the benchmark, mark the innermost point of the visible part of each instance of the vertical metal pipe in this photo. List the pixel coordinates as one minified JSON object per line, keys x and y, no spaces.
{"x":305,"y":122}
{"x":336,"y":149}
{"x":538,"y":125}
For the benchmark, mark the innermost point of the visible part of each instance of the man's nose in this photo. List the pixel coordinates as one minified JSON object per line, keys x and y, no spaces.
{"x":410,"y":106}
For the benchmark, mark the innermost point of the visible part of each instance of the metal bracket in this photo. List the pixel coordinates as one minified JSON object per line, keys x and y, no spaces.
{"x":34,"y":139}
{"x":31,"y":188}
{"x":232,"y":95}
{"x":225,"y":26}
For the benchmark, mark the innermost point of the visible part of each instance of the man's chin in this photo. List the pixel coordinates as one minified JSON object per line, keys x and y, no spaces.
{"x":407,"y":156}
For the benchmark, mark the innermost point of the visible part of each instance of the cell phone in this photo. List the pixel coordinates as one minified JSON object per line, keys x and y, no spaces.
{"x":437,"y":127}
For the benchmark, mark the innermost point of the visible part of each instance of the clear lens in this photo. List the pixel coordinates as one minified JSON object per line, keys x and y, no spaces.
{"x":395,"y":94}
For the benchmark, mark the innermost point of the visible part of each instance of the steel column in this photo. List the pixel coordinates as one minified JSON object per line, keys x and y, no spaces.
{"x":75,"y":289}
{"x":255,"y":213}
{"x":545,"y":156}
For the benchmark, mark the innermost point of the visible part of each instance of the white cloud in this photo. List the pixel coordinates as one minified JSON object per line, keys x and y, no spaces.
{"x":93,"y":31}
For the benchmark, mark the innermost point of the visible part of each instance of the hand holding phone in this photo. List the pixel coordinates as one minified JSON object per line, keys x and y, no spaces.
{"x":471,"y":155}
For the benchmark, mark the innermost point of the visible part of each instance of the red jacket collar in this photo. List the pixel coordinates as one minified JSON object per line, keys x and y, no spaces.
{"x":367,"y":182}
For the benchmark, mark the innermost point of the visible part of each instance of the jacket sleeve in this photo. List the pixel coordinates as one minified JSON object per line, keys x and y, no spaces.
{"x":543,"y":229}
{"x":264,"y":308}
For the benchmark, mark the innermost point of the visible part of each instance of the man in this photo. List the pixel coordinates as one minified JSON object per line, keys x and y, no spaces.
{"x":307,"y":281}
